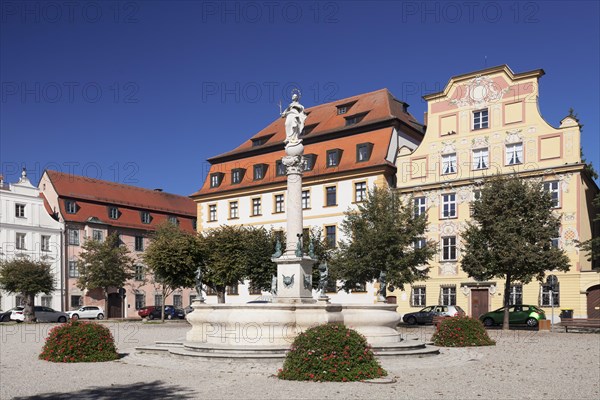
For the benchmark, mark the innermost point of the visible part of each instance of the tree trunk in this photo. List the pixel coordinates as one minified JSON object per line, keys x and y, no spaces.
{"x":28,"y":310}
{"x":162,"y":310}
{"x":505,"y":323}
{"x":106,"y":310}
{"x":221,"y":295}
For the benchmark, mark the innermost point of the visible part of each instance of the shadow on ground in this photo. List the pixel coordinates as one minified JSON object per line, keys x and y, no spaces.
{"x":135,"y":391}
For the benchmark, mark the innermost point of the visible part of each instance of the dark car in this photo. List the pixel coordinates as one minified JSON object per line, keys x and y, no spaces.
{"x":520,"y":314}
{"x":145,"y":311}
{"x":5,"y":315}
{"x":425,"y":315}
{"x":170,"y":313}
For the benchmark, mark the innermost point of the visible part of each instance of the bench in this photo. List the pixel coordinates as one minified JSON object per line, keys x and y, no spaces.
{"x":587,"y":323}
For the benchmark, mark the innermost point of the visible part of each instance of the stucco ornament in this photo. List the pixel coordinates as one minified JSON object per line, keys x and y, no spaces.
{"x":565,"y":179}
{"x":514,"y":136}
{"x":480,"y":142}
{"x":448,"y":269}
{"x":288,"y":281}
{"x":466,"y":290}
{"x":295,"y":117}
{"x":478,"y":92}
{"x":448,"y":147}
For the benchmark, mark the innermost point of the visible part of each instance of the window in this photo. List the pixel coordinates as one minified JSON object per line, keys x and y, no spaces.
{"x":279,"y":168}
{"x":516,"y":294}
{"x":76,"y":301}
{"x":449,"y":205}
{"x":192,"y":298}
{"x":256,"y":206}
{"x":476,"y":197}
{"x":237,"y":175}
{"x":173,"y":219}
{"x":545,"y":300}
{"x":212,"y":212}
{"x":20,"y":241}
{"x":260,"y":141}
{"x":177,"y":301}
{"x":139,"y":274}
{"x":481,"y":158}
{"x":215,"y":179}
{"x":333,"y":157}
{"x":158,"y":300}
{"x":70,"y":207}
{"x":331,"y":196}
{"x":480,"y":119}
{"x":194,"y":223}
{"x":305,"y":199}
{"x":330,"y":235}
{"x":145,"y":216}
{"x":355,"y":119}
{"x":448,"y":296}
{"x":232,"y":290}
{"x":514,"y":154}
{"x":449,"y":248}
{"x":210,"y":291}
{"x":449,"y":163}
{"x":20,"y":210}
{"x":279,"y":203}
{"x":553,"y":188}
{"x":139,"y":243}
{"x":363,"y":151}
{"x":342,"y":110}
{"x":420,"y":204}
{"x":418,"y":297}
{"x":420,"y":243}
{"x":45,"y":243}
{"x":360,"y":191}
{"x":233,"y":210}
{"x":253,"y":289}
{"x":113,"y":212}
{"x":47,"y":301}
{"x":73,"y":270}
{"x":555,"y":242}
{"x":259,"y":172}
{"x":73,"y":237}
{"x":309,"y":162}
{"x":140,"y":301}
{"x":97,"y":235}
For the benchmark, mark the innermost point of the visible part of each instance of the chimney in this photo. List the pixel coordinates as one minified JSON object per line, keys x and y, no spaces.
{"x":158,"y":190}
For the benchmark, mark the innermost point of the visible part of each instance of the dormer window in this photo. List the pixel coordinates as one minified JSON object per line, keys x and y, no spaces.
{"x":279,"y":168}
{"x":308,"y":129}
{"x":145,"y":217}
{"x":237,"y":175}
{"x":344,"y":108}
{"x":363,"y":151}
{"x":215,"y":179}
{"x":309,"y":162}
{"x":259,"y":171}
{"x":333,"y":157}
{"x":70,"y":206}
{"x":261,"y":140}
{"x":113,"y":213}
{"x":354,"y":119}
{"x":173,"y":219}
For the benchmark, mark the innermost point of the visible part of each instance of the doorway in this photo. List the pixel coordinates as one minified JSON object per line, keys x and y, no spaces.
{"x":593,"y":302}
{"x":479,"y":302}
{"x":115,"y":306}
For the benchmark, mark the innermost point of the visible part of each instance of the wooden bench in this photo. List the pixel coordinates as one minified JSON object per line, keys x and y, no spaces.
{"x":586,"y":323}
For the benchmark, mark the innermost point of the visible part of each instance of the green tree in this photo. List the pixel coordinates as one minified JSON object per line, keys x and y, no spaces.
{"x":382,"y":236}
{"x":592,"y":246}
{"x":24,"y":276}
{"x":172,"y":256}
{"x":511,"y":235}
{"x":104,"y":265}
{"x":260,"y":246}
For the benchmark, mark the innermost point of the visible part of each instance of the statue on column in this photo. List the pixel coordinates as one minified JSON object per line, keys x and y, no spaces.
{"x":294,"y":119}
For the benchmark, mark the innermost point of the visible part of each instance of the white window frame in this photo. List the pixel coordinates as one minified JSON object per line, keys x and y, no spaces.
{"x":73,"y":270}
{"x":448,"y":247}
{"x":146,"y":217}
{"x":73,"y":237}
{"x":514,"y":153}
{"x":545,"y":296}
{"x":419,"y":296}
{"x":233,"y":210}
{"x":45,"y":243}
{"x":19,"y":210}
{"x":139,"y":272}
{"x":420,"y":205}
{"x":305,"y":199}
{"x":449,"y":205}
{"x":480,"y":119}
{"x":279,"y":203}
{"x":360,"y":191}
{"x":256,"y":206}
{"x":21,"y":241}
{"x":448,"y":296}
{"x":212,"y":212}
{"x":481,"y":158}
{"x":70,"y":207}
{"x":516,"y":294}
{"x":449,"y":164}
{"x":553,"y":187}
{"x":98,"y":235}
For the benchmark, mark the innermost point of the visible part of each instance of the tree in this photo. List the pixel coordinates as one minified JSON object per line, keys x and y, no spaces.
{"x":226,"y":252}
{"x":260,"y":246}
{"x":382,"y":236}
{"x":511,"y":236}
{"x":173,"y":257}
{"x":592,"y":246}
{"x":24,"y":276}
{"x":104,"y":265}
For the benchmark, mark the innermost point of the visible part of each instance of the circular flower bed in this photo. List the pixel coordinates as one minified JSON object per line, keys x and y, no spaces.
{"x":78,"y":341}
{"x":330,"y":352}
{"x":461,"y":332}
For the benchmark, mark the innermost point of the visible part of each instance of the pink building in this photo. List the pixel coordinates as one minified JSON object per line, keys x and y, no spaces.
{"x":92,"y":208}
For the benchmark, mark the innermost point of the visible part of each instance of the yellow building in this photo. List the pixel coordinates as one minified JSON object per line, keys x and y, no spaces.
{"x":485,"y":123}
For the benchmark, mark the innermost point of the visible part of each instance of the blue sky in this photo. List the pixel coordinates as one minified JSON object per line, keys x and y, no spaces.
{"x":143,"y":92}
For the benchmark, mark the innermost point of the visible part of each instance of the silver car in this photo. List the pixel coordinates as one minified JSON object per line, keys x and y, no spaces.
{"x":425,"y":315}
{"x":42,"y":314}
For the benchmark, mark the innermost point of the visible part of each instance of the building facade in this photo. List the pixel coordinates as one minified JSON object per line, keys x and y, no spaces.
{"x":351,"y":145}
{"x":482,"y":124}
{"x":28,"y":230}
{"x":92,"y":208}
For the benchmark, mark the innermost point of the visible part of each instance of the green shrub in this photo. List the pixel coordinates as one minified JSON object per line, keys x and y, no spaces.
{"x":78,"y":341}
{"x":330,"y":352}
{"x":461,"y":332}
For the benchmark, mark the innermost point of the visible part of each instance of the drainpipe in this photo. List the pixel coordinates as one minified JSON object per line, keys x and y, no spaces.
{"x":62,"y":265}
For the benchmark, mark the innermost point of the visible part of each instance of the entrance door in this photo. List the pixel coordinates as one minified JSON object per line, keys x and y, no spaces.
{"x":479,"y":302}
{"x":593,"y":302}
{"x":114,"y":306}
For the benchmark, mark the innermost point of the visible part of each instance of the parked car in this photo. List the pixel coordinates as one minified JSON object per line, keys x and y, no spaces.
{"x":5,"y":315}
{"x":261,"y":299}
{"x":520,"y":314}
{"x":90,"y":312}
{"x":145,"y":311}
{"x":425,"y":315}
{"x":42,"y":314}
{"x":170,"y":313}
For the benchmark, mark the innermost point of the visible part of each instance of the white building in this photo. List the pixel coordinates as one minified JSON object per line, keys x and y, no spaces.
{"x":28,"y":230}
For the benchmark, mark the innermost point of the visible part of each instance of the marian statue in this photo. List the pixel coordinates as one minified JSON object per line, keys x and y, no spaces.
{"x":294,"y":119}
